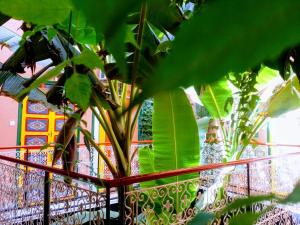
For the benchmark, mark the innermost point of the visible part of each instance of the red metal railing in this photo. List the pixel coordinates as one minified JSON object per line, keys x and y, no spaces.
{"x":122,"y":182}
{"x":159,"y":175}
{"x":40,"y":146}
{"x":140,"y":178}
{"x":49,"y":169}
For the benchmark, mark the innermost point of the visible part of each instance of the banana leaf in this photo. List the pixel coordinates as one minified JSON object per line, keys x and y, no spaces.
{"x":265,"y":76}
{"x":176,"y":145}
{"x":285,"y":99}
{"x":175,"y":134}
{"x":216,"y":98}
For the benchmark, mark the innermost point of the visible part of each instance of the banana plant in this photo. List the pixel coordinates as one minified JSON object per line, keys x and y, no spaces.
{"x":127,"y":41}
{"x":175,"y":146}
{"x":244,"y":109}
{"x":248,"y":113}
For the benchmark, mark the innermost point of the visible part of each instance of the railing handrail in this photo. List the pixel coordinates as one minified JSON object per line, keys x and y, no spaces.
{"x":179,"y":172}
{"x":137,"y":142}
{"x":81,"y":144}
{"x":73,"y":175}
{"x":116,"y":182}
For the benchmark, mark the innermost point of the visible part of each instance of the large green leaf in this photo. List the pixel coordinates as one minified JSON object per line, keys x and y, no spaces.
{"x":89,"y":59}
{"x":43,"y":12}
{"x":247,"y":218}
{"x":175,"y":134}
{"x":265,"y":75}
{"x":176,"y":145}
{"x":107,"y":17}
{"x":285,"y":99}
{"x":293,"y":197}
{"x":202,"y":218}
{"x":146,"y":160}
{"x":165,"y":15}
{"x":215,"y":98}
{"x":80,"y":30}
{"x":79,"y":89}
{"x":175,"y":137}
{"x":227,"y":36}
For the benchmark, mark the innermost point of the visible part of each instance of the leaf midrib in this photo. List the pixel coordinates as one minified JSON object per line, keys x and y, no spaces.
{"x":214,"y":101}
{"x":174,"y":133}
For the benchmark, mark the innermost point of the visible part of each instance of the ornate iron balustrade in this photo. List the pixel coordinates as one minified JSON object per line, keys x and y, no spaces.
{"x":36,"y":196}
{"x":87,"y":160}
{"x":32,"y":197}
{"x":216,"y":185}
{"x":28,"y":186}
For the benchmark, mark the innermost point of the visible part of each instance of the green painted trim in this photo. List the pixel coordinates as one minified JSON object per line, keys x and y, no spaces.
{"x":139,"y":126}
{"x":20,"y":108}
{"x":93,"y":126}
{"x":19,"y":128}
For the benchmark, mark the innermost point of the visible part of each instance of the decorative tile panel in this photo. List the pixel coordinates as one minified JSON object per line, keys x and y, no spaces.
{"x":39,"y":158}
{"x":59,"y":124}
{"x":36,"y":108}
{"x":36,"y":124}
{"x":35,"y":140}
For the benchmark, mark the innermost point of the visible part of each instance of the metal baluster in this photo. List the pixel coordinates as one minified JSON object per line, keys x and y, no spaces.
{"x":121,"y":204}
{"x":248,"y":180}
{"x":107,"y":204}
{"x":46,"y":199}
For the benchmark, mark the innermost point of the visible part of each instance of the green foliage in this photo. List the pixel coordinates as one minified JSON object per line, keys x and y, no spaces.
{"x":145,"y":121}
{"x":108,"y":19}
{"x":174,"y":128}
{"x":293,"y":197}
{"x":146,"y":160}
{"x":175,"y":134}
{"x":285,"y":99}
{"x":248,"y":99}
{"x":215,"y":98}
{"x":132,"y":42}
{"x":241,"y":202}
{"x":242,"y":217}
{"x":80,"y":30}
{"x":89,"y":59}
{"x":165,"y":15}
{"x":82,"y":84}
{"x":202,"y":219}
{"x":42,"y":12}
{"x":239,"y":42}
{"x":176,"y":146}
{"x":51,"y":33}
{"x":264,"y":76}
{"x":43,"y":79}
{"x":249,"y":218}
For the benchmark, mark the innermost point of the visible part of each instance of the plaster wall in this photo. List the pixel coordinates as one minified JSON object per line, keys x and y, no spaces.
{"x":8,"y":121}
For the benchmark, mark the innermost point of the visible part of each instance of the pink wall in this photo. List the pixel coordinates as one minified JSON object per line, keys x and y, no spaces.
{"x":8,"y":121}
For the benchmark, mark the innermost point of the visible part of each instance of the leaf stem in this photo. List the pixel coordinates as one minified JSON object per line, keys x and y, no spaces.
{"x":110,"y":165}
{"x":112,"y":137}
